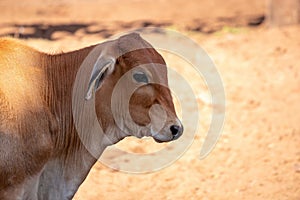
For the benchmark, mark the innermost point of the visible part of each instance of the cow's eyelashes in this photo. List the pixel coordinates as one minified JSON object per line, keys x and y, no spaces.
{"x":140,"y":77}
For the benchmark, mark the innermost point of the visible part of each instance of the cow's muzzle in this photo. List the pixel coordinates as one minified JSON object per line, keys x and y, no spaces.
{"x":174,"y":132}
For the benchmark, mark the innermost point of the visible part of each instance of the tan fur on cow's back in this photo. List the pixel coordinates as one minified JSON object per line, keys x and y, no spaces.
{"x":24,"y":118}
{"x":19,"y":75}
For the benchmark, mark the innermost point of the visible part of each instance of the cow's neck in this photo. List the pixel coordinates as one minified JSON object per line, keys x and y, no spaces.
{"x":71,"y":161}
{"x":61,"y":73}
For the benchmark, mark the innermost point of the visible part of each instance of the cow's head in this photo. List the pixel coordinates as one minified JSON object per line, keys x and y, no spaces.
{"x":132,"y":94}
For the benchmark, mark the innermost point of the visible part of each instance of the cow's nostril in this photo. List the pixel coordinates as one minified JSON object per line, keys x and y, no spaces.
{"x":174,"y":130}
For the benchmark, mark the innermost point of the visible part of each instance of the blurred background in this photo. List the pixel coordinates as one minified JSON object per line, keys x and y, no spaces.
{"x":255,"y":46}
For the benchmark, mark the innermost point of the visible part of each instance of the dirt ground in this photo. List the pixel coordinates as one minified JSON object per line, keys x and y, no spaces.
{"x":258,"y":154}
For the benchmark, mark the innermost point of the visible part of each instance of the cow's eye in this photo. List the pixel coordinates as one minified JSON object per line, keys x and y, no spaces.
{"x":140,"y":77}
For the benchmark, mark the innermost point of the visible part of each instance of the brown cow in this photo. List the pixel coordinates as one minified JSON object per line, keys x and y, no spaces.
{"x":41,"y":153}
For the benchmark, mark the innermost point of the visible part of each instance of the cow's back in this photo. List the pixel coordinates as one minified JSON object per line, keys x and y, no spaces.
{"x":25,"y":140}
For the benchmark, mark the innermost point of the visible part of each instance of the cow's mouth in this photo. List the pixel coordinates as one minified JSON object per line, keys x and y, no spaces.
{"x":169,"y":140}
{"x":174,"y":133}
{"x":159,"y":138}
{"x":158,"y":141}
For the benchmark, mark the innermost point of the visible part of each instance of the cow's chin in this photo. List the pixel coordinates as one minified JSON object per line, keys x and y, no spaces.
{"x":158,"y":141}
{"x":160,"y":138}
{"x":143,"y":132}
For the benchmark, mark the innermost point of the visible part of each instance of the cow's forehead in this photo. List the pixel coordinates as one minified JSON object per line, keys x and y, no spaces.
{"x":142,"y":56}
{"x":131,"y":42}
{"x":146,"y":58}
{"x":136,"y":52}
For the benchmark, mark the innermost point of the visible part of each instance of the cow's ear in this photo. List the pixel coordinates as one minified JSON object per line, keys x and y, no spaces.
{"x":104,"y":66}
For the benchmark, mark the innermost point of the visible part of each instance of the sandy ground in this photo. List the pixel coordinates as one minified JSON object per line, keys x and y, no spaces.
{"x":258,"y":154}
